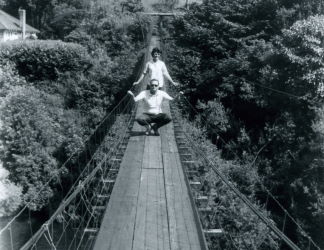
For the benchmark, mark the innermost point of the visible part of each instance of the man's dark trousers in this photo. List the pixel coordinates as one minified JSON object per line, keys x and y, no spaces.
{"x":158,"y":119}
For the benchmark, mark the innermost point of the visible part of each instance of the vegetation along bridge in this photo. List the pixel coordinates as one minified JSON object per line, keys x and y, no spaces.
{"x":143,"y":192}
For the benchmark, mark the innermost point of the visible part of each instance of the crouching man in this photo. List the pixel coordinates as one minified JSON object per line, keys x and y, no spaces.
{"x":152,"y":118}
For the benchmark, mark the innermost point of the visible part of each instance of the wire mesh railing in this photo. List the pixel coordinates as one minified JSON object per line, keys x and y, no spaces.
{"x":213,"y":191}
{"x":77,"y":220}
{"x":11,"y":237}
{"x":202,"y":168}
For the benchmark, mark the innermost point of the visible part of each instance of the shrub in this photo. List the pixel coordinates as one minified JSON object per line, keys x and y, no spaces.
{"x":9,"y":77}
{"x":228,"y":210}
{"x":10,"y":194}
{"x":37,"y":135}
{"x":39,"y":60}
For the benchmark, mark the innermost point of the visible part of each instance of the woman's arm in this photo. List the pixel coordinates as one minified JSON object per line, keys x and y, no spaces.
{"x":142,"y":75}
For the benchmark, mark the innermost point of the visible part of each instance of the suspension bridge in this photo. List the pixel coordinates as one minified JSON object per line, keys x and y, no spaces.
{"x":142,"y":192}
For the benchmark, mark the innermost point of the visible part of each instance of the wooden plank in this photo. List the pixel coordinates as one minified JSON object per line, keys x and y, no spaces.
{"x":149,"y":206}
{"x":116,"y":231}
{"x":152,"y":157}
{"x":183,"y":231}
{"x":151,"y":228}
{"x":167,"y":134}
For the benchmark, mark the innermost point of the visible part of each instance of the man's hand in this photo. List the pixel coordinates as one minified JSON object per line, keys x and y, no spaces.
{"x":135,"y":83}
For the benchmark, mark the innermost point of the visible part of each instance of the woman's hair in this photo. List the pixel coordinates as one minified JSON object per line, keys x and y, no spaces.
{"x":156,"y":50}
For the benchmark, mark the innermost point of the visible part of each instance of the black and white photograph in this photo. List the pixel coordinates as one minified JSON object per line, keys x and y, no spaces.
{"x":161,"y":124}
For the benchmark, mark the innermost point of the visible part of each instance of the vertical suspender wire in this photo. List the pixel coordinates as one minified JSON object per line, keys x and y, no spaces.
{"x":226,"y":234}
{"x":87,"y":209}
{"x":247,"y":201}
{"x":11,"y":240}
{"x":283,"y":227}
{"x":76,"y":247}
{"x":64,"y":164}
{"x":71,"y":219}
{"x":309,"y":244}
{"x":290,"y":217}
{"x":50,"y":239}
{"x":52,"y":224}
{"x":266,"y":202}
{"x":63,"y":229}
{"x":30,"y":223}
{"x":268,"y":192}
{"x":51,"y":230}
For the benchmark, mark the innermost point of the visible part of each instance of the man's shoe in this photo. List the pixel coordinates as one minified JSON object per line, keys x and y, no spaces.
{"x":148,"y":129}
{"x":155,"y":130}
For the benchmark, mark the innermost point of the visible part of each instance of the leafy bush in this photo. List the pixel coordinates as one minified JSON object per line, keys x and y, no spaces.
{"x":265,"y":67}
{"x":39,"y":60}
{"x":10,"y":194}
{"x":66,"y":93}
{"x":229,"y":212}
{"x":65,"y":19}
{"x":9,"y":77}
{"x":36,"y":130}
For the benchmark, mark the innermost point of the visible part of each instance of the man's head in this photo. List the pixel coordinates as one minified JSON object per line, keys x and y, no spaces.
{"x":156,"y":52}
{"x":154,"y":86}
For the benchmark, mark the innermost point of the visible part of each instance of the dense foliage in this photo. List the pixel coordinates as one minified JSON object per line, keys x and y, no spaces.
{"x":54,"y":93}
{"x":10,"y":194}
{"x":254,"y":70}
{"x":39,"y":60}
{"x":242,"y":228}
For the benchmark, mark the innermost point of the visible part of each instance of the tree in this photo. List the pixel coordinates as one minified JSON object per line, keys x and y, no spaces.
{"x":268,"y":77}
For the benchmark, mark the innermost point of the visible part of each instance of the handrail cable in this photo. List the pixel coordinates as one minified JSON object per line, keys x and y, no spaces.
{"x":101,"y":169}
{"x":86,"y":168}
{"x":107,"y":170}
{"x":228,"y":237}
{"x":265,"y":188}
{"x":289,"y":242}
{"x":77,"y":152}
{"x":88,"y":165}
{"x":243,"y":197}
{"x":67,"y":200}
{"x":279,"y":91}
{"x":63,"y":165}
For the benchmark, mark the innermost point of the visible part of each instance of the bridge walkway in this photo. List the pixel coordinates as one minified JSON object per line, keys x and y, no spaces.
{"x":149,"y":207}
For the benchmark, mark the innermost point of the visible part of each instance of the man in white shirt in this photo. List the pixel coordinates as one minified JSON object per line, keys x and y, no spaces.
{"x":152,"y":118}
{"x":156,"y":69}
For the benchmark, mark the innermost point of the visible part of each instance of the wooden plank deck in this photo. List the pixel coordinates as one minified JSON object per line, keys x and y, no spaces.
{"x":149,"y":206}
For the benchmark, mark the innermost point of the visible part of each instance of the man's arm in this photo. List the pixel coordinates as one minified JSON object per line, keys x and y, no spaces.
{"x":166,"y":96}
{"x":137,"y":98}
{"x":142,"y":75}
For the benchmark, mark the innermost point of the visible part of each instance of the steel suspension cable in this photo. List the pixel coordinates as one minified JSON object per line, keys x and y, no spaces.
{"x":65,"y":202}
{"x":255,"y":210}
{"x":265,"y":189}
{"x":107,"y":170}
{"x":92,"y":158}
{"x":89,"y":218}
{"x":62,"y":166}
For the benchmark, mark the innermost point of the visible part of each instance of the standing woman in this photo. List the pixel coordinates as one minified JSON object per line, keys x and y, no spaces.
{"x":156,"y":69}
